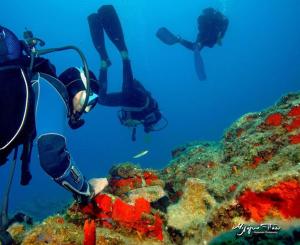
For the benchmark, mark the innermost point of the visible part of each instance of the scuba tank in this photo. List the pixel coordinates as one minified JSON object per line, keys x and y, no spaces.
{"x":10,"y":46}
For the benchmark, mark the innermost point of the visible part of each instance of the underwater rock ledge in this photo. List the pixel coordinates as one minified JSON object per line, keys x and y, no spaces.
{"x":250,"y":177}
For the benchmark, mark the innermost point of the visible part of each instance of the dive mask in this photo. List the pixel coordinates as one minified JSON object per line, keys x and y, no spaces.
{"x":92,"y":100}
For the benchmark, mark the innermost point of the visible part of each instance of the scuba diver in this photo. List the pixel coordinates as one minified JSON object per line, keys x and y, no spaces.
{"x":22,"y":72}
{"x":138,"y":107}
{"x":212,"y":26}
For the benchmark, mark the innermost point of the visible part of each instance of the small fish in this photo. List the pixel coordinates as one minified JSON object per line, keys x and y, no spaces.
{"x":143,"y":153}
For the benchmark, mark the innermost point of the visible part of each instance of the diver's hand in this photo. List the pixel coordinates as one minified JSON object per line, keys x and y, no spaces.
{"x":98,"y":185}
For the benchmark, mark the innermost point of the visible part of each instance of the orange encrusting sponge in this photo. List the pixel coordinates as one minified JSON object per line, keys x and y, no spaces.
{"x":282,"y":199}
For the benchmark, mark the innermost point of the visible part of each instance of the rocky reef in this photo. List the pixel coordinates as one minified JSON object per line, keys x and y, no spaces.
{"x":209,"y":192}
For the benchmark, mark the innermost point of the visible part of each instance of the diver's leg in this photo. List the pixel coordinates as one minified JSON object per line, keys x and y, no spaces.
{"x":116,"y":99}
{"x":25,"y":170}
{"x":56,"y":161}
{"x":134,"y":94}
{"x":187,"y":44}
{"x":102,"y":82}
{"x":97,"y":34}
{"x":128,"y":80}
{"x":111,"y":99}
{"x":113,"y":29}
{"x":112,"y":26}
{"x":192,"y":45}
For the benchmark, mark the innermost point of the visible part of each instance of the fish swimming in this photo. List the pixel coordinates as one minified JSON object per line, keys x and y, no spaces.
{"x":143,"y":153}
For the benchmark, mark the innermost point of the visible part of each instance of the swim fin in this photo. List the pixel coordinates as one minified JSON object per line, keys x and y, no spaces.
{"x":199,"y":64}
{"x":166,"y":36}
{"x":112,"y":26}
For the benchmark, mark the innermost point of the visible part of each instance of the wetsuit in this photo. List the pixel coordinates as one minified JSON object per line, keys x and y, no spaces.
{"x":53,"y":154}
{"x":212,"y":26}
{"x":18,"y":102}
{"x":134,"y":99}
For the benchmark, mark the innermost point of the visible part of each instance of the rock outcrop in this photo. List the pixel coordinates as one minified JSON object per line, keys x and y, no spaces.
{"x":250,"y":177}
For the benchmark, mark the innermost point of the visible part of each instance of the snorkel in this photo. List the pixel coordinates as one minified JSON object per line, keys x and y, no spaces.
{"x":75,"y":120}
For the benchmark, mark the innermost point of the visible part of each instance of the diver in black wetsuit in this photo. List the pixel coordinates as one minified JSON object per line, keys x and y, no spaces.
{"x":138,"y":106}
{"x":212,"y":26}
{"x":18,"y":103}
{"x":12,"y":55}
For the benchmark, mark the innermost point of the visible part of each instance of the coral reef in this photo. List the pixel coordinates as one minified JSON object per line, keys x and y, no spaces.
{"x":193,"y":206}
{"x":252,"y":175}
{"x":249,"y":178}
{"x":54,"y":230}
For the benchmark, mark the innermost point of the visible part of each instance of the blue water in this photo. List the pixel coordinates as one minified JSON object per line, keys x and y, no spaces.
{"x":258,"y":62}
